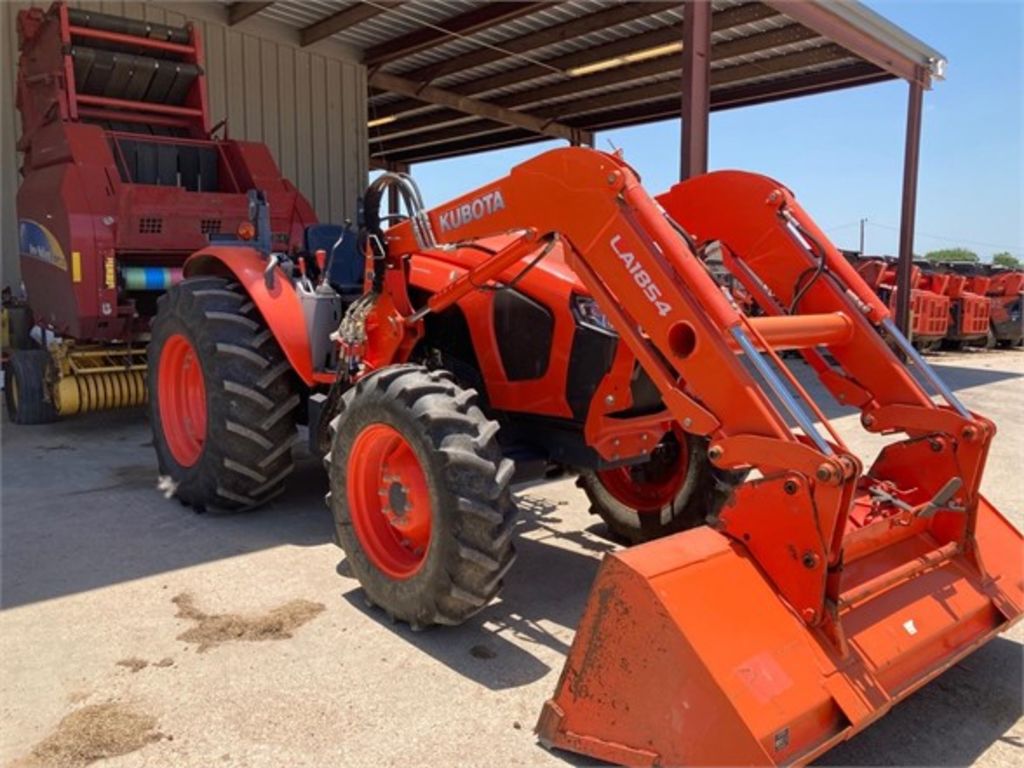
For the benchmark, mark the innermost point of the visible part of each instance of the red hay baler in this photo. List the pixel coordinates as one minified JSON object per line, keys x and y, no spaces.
{"x":122,"y":178}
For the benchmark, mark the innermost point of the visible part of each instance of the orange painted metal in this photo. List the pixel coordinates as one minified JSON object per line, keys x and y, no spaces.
{"x":390,"y":501}
{"x":279,"y":305}
{"x":181,"y":391}
{"x":822,"y":593}
{"x":800,"y":331}
{"x":686,"y":655}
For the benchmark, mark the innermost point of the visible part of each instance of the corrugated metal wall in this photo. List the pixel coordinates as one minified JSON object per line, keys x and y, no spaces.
{"x":307,"y":105}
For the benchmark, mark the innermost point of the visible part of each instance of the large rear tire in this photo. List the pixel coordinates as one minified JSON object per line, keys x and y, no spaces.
{"x":222,"y":397}
{"x":420,"y":495}
{"x":28,"y":402}
{"x":671,"y":492}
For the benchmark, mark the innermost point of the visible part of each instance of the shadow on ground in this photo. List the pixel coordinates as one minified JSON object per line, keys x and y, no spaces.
{"x":956,"y":377}
{"x":80,"y":510}
{"x":949,"y":722}
{"x":540,"y":605}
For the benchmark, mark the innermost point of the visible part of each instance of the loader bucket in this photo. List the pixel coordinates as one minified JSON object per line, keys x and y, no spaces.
{"x":686,"y":654}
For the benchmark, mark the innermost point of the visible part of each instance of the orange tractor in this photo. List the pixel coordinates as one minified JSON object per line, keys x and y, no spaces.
{"x":929,"y":311}
{"x":561,"y":318}
{"x":1004,"y":288}
{"x":969,"y":312}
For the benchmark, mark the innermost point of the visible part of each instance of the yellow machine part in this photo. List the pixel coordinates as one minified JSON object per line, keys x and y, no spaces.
{"x":100,"y":391}
{"x":98,"y":378}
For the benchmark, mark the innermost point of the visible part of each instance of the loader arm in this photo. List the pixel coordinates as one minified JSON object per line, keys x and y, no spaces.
{"x":701,"y":350}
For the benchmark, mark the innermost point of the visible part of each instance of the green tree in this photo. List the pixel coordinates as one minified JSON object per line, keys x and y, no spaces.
{"x":952,"y":254}
{"x":1006,"y":259}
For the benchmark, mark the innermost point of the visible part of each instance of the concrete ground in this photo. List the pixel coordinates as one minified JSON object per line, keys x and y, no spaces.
{"x":92,"y":556}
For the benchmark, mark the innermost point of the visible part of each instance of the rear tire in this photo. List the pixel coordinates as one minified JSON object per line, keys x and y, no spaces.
{"x":28,"y":401}
{"x":677,"y":497}
{"x":420,"y":495}
{"x":222,"y":397}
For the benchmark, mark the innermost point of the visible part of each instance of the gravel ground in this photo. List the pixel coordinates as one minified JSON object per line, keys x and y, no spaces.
{"x":93,"y":556}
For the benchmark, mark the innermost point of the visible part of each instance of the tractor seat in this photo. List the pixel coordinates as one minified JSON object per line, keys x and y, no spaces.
{"x":345,"y":267}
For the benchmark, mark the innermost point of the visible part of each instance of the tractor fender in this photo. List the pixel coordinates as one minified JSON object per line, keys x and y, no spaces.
{"x":280,"y":305}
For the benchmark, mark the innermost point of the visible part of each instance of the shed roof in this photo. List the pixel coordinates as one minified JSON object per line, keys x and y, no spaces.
{"x":450,"y":78}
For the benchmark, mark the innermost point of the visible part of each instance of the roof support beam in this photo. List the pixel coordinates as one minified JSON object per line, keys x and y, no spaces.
{"x":662,"y":109}
{"x":487,"y":15}
{"x":696,"y":86}
{"x":721,"y":21}
{"x":846,"y":76}
{"x":833,"y":20}
{"x":620,"y":99}
{"x":451,"y":149}
{"x":625,"y":74}
{"x":239,"y":12}
{"x":479,"y":108}
{"x":778,"y":65}
{"x":343,"y":19}
{"x":610,"y":17}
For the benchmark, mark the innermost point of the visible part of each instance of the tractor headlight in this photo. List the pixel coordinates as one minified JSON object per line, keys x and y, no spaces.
{"x":589,"y":315}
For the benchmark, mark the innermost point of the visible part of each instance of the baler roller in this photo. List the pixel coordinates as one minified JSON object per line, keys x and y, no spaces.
{"x":123,"y":26}
{"x":131,"y":77}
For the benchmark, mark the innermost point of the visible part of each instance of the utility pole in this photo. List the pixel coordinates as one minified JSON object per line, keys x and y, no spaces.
{"x":862,"y":223}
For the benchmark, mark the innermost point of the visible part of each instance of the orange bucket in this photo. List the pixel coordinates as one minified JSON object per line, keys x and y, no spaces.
{"x":687,"y":655}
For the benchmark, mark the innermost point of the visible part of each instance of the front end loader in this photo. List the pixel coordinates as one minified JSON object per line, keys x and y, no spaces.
{"x":560,"y":319}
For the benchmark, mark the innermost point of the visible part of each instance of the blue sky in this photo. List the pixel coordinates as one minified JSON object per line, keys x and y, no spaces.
{"x":842,"y":153}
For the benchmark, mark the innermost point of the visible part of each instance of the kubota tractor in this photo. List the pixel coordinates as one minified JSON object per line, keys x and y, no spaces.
{"x":1003,"y":287}
{"x":929,"y":311}
{"x":123,"y":177}
{"x":1006,"y":304}
{"x":969,"y":312}
{"x":561,"y":318}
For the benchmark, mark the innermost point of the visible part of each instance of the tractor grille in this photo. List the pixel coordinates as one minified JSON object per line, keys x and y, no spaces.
{"x":209,"y":226}
{"x":151,"y":225}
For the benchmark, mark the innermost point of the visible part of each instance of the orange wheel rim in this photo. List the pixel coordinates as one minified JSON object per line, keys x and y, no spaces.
{"x":651,"y":486}
{"x":389,"y":501}
{"x":181,"y":392}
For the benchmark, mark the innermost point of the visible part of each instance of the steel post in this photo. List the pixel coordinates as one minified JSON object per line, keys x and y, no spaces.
{"x":911,"y":155}
{"x":695,"y":87}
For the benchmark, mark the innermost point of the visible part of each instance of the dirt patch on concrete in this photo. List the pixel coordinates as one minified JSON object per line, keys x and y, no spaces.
{"x":92,"y":733}
{"x":134,"y":663}
{"x":213,"y":629}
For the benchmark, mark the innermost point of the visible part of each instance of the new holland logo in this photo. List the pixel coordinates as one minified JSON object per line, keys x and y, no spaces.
{"x":477,"y":208}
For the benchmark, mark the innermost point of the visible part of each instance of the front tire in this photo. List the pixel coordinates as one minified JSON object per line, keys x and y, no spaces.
{"x":671,"y":492}
{"x":420,"y":495}
{"x":222,"y":397}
